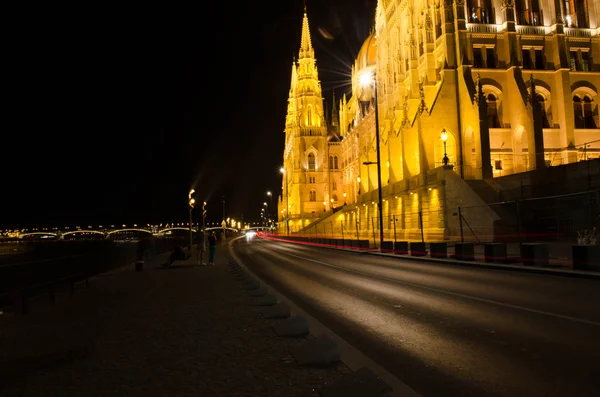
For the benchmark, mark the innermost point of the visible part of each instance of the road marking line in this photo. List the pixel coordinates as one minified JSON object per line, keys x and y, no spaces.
{"x":579,"y":320}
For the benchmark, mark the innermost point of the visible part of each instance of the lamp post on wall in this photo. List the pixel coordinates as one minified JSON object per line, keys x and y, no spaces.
{"x":444,"y":137}
{"x":287,"y":200}
{"x":366,"y":79}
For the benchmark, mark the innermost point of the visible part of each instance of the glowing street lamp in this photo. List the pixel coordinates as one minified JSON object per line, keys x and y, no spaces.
{"x":444,"y":137}
{"x":191,"y":202}
{"x":366,"y":79}
{"x":266,"y":212}
{"x":270,"y":201}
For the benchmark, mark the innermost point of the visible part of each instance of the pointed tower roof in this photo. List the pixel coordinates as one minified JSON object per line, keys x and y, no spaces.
{"x":294,"y":78}
{"x":306,"y":49}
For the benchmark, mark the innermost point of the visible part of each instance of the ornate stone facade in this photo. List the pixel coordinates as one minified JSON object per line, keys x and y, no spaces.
{"x":311,"y":157}
{"x":512,"y":83}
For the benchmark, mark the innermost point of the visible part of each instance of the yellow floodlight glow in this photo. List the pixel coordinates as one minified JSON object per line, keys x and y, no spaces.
{"x":366,"y":78}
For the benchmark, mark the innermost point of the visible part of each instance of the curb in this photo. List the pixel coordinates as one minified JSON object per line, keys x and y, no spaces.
{"x":349,"y":355}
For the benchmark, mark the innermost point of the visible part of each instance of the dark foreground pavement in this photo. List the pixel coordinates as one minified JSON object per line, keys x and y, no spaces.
{"x":183,"y":331}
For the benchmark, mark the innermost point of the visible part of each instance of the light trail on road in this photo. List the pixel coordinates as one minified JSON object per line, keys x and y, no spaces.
{"x":446,"y":330}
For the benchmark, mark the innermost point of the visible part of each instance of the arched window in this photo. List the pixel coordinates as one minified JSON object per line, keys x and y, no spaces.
{"x":313,"y":195}
{"x":334,"y":185}
{"x":309,"y":116}
{"x":330,"y":162}
{"x":335,"y":162}
{"x":542,"y":101}
{"x":311,"y":161}
{"x":588,"y":115}
{"x":492,"y":111}
{"x":578,"y":112}
{"x":335,"y":197}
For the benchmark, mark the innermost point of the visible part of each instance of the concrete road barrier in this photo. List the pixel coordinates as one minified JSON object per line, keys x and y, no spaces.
{"x":494,"y":252}
{"x":267,"y":300}
{"x":534,"y":254}
{"x":362,"y":382}
{"x":280,"y":310}
{"x":293,"y":326}
{"x":251,"y":284}
{"x":464,"y":251}
{"x":320,"y":351}
{"x":261,"y":291}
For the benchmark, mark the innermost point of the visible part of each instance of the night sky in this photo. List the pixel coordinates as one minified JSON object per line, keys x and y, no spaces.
{"x":115,"y":113}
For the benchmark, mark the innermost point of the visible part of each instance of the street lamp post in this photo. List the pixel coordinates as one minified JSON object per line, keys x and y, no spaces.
{"x":191,"y":202}
{"x":287,"y":201}
{"x":444,"y":137}
{"x":270,"y":201}
{"x":366,"y":79}
{"x":223,"y":207}
{"x":267,"y":212}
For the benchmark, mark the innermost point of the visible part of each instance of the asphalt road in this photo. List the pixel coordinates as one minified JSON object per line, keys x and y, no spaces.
{"x":446,"y":330}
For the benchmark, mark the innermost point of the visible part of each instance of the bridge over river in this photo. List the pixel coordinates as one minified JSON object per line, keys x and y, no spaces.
{"x":113,"y":232}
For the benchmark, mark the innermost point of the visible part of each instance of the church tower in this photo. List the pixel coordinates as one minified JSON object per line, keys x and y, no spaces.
{"x":305,"y":176}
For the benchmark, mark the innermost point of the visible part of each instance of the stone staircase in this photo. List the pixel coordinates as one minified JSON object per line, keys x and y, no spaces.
{"x":506,"y":227}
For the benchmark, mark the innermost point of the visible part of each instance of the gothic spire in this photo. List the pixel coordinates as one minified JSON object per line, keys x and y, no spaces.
{"x":306,"y":49}
{"x":294,"y":78}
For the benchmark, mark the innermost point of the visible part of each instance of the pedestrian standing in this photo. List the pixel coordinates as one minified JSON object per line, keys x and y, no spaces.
{"x":212,"y":248}
{"x":201,"y":247}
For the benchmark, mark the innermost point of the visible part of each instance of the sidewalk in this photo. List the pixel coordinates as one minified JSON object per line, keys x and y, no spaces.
{"x":184,"y":331}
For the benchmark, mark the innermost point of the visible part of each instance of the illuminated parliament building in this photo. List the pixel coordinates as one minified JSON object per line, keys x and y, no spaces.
{"x":473,"y":98}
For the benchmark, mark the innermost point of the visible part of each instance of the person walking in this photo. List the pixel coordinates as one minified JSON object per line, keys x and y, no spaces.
{"x":212,"y":248}
{"x":201,"y":247}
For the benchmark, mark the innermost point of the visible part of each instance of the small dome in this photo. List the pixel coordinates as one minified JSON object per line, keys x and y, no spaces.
{"x":367,"y":56}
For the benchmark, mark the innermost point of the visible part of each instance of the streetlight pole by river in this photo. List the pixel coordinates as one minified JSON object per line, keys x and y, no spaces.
{"x":191,"y":202}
